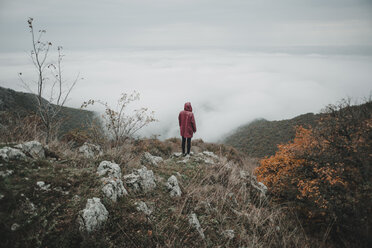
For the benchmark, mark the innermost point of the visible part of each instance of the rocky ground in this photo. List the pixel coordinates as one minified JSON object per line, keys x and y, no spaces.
{"x":83,"y":198}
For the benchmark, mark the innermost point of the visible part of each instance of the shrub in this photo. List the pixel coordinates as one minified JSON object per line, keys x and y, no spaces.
{"x":326,"y":173}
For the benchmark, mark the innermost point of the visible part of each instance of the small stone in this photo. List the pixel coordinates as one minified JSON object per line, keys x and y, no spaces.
{"x":142,"y":207}
{"x":15,"y":227}
{"x":6,"y":173}
{"x":229,"y":234}
{"x":147,"y":158}
{"x":193,"y":220}
{"x":172,"y":185}
{"x":43,"y":186}
{"x":1,"y":196}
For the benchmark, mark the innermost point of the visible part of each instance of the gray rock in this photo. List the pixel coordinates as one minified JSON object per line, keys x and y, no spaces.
{"x":140,"y":180}
{"x":109,"y":169}
{"x":6,"y":173}
{"x":90,"y":150}
{"x":93,"y":216}
{"x":260,"y":187}
{"x":172,"y":185}
{"x":1,"y":196}
{"x":113,"y":186}
{"x":194,"y":222}
{"x":34,"y":148}
{"x":176,"y":155}
{"x":15,"y":227}
{"x":8,"y":153}
{"x":148,"y":159}
{"x":43,"y":186}
{"x":142,"y":207}
{"x":210,"y":154}
{"x":229,"y":234}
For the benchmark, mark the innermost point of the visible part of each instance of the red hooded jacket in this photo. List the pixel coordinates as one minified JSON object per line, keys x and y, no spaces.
{"x":187,"y":121}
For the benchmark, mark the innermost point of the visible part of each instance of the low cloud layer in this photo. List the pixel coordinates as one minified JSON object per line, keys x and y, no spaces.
{"x":227,"y":89}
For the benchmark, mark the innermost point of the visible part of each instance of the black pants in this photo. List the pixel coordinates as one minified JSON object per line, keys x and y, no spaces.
{"x":188,"y":145}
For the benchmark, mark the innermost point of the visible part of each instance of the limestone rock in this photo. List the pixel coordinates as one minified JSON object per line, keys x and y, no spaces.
{"x":43,"y":186}
{"x":229,"y":234}
{"x":194,"y":222}
{"x":148,"y":159}
{"x":90,"y":150}
{"x":260,"y":187}
{"x":140,"y":180}
{"x":15,"y":227}
{"x":6,"y":173}
{"x":172,"y":185}
{"x":107,"y":168}
{"x":113,"y":186}
{"x":210,"y":154}
{"x":8,"y":153}
{"x":34,"y":148}
{"x":142,"y":207}
{"x":93,"y":216}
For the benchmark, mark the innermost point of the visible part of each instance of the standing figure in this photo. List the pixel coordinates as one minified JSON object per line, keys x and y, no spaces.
{"x":187,"y":127}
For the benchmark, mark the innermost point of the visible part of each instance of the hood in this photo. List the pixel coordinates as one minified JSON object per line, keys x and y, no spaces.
{"x":188,"y":107}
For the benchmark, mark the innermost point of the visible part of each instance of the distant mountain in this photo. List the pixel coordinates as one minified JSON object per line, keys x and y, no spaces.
{"x":21,"y":104}
{"x":261,"y":137}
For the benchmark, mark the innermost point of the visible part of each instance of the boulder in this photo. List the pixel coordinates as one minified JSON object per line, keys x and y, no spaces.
{"x":34,"y":148}
{"x":172,"y":185}
{"x":109,"y":169}
{"x":148,"y":159}
{"x":89,"y":150}
{"x":93,"y":216}
{"x":140,"y":180}
{"x":8,"y":153}
{"x":113,"y":186}
{"x":194,"y":222}
{"x":142,"y":207}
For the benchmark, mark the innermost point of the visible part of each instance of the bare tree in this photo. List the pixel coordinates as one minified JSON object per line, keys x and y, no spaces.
{"x":52,"y":92}
{"x":119,"y":123}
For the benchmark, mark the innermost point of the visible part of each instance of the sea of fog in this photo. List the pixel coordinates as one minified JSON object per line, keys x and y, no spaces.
{"x":226,"y":88}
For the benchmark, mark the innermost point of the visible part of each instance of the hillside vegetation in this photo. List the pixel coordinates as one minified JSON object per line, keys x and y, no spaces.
{"x":261,"y":137}
{"x":16,"y":106}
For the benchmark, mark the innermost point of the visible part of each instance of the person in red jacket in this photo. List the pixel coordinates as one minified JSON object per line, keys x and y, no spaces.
{"x":186,"y":120}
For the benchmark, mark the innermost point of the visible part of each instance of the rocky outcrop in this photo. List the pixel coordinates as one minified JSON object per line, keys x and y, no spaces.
{"x":140,"y":180}
{"x":34,"y":148}
{"x":194,"y":222}
{"x":8,"y":153}
{"x":148,"y":159}
{"x":93,"y":216}
{"x":89,"y":150}
{"x":113,"y":186}
{"x":173,"y":187}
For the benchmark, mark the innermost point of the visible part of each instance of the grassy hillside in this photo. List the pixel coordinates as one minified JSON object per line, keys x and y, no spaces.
{"x":19,"y":104}
{"x":261,"y":137}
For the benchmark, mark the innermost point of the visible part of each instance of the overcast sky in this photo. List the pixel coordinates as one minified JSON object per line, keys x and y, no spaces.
{"x":234,"y":60}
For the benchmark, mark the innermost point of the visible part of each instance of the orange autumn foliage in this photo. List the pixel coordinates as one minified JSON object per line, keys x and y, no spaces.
{"x":325,"y":172}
